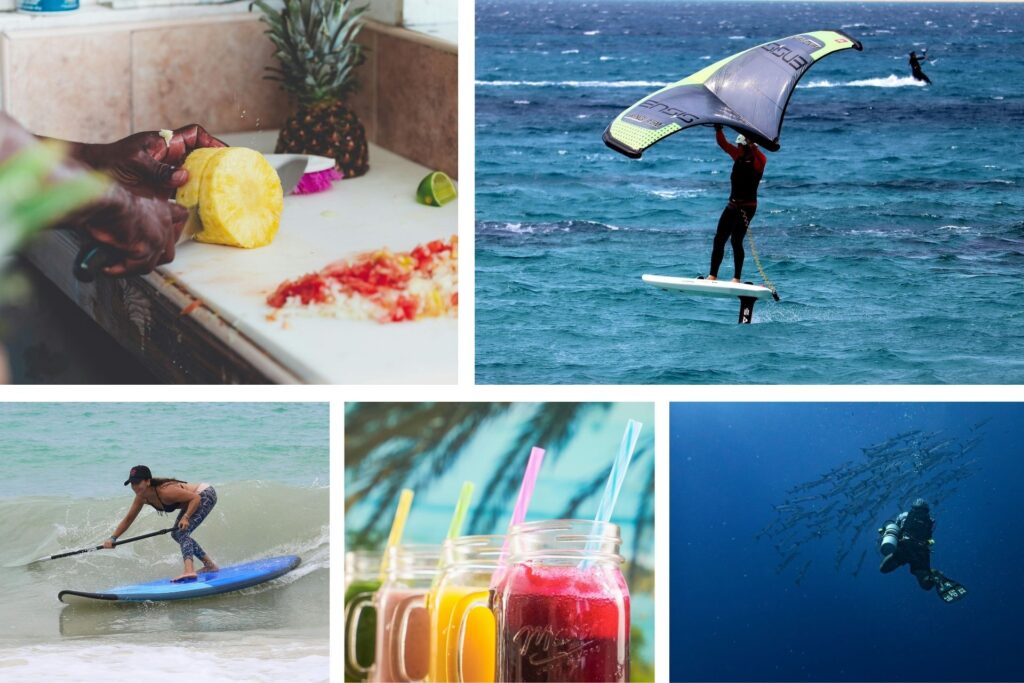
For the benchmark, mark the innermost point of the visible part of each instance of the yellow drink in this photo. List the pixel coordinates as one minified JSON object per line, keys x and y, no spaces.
{"x":447,"y":606}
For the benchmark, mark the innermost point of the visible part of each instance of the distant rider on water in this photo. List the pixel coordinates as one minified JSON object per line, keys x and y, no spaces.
{"x":747,"y":169}
{"x":915,"y":66}
{"x":193,"y":501}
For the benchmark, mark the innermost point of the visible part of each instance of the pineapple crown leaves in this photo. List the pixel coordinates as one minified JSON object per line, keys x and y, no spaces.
{"x":315,"y":46}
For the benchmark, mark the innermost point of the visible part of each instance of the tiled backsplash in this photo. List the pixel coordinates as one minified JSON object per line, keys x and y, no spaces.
{"x":102,"y":83}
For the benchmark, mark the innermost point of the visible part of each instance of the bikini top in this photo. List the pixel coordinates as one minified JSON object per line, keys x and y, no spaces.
{"x":164,"y":507}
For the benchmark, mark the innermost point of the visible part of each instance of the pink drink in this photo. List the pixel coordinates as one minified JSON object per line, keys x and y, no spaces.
{"x":562,"y":623}
{"x":394,"y":604}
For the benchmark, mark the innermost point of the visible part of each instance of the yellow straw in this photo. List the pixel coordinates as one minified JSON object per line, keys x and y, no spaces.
{"x":397,"y":528}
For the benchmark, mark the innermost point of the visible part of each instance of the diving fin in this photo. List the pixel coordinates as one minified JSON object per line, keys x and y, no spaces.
{"x":948,"y":589}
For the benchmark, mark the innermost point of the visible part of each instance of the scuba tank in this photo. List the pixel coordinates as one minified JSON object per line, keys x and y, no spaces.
{"x":890,"y":538}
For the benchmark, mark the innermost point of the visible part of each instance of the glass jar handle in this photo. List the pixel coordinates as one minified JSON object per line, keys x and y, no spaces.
{"x":465,"y":606}
{"x":400,"y":635}
{"x":353,"y":611}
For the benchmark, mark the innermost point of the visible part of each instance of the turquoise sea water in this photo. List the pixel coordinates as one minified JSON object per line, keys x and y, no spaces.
{"x":62,"y":468}
{"x":86,"y":449}
{"x":891,"y":220}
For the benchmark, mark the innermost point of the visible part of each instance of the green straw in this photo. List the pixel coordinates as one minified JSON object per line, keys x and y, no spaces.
{"x":461,"y":508}
{"x":397,"y":529}
{"x":455,"y":527}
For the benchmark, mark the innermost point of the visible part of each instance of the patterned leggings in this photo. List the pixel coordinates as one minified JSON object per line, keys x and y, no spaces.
{"x":189,"y":548}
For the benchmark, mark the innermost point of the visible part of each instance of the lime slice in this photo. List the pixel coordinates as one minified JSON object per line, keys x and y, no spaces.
{"x":437,"y":189}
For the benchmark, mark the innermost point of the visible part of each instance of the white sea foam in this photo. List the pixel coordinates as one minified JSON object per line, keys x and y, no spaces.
{"x":272,"y":660}
{"x":590,"y":33}
{"x":890,"y":81}
{"x":570,"y":52}
{"x":675,"y":194}
{"x":571,"y":84}
{"x":520,"y":101}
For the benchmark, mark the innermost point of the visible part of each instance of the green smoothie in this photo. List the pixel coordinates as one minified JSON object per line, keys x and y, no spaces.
{"x":357,"y":593}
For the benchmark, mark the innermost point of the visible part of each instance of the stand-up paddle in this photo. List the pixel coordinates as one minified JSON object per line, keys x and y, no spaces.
{"x":100,"y":547}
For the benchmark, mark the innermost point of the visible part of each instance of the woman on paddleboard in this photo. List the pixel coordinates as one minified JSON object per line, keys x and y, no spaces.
{"x":192,"y":501}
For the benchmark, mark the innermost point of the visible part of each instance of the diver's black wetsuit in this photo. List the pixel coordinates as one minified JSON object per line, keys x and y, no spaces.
{"x":747,"y":169}
{"x":915,"y":68}
{"x":913,"y":547}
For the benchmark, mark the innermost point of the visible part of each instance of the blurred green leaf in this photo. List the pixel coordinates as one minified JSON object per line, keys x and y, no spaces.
{"x":29,"y":202}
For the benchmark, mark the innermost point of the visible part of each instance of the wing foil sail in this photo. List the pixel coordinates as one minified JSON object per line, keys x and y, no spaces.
{"x":748,"y":92}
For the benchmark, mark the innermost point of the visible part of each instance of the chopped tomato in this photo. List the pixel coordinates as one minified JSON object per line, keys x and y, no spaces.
{"x":381,"y":276}
{"x":190,"y":308}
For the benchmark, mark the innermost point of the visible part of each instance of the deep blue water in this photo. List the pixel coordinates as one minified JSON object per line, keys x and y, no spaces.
{"x":733,"y":618}
{"x":891,"y":220}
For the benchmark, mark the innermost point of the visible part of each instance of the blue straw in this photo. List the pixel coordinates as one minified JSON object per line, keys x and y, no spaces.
{"x":615,"y":479}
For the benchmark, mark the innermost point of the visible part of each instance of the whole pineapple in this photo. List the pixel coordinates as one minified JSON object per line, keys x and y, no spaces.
{"x":317,"y":52}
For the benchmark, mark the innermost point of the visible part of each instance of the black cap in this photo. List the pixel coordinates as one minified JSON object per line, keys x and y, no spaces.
{"x":137,"y":474}
{"x":920,"y":503}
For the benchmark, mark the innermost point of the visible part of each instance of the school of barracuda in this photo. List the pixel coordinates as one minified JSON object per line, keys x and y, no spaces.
{"x":854,"y":499}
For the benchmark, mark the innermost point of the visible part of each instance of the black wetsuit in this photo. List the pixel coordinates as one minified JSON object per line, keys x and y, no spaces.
{"x":913,"y":548}
{"x":747,"y":169}
{"x":915,"y":69}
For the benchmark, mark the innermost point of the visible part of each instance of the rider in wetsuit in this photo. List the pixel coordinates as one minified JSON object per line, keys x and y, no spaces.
{"x":747,"y":169}
{"x":915,"y":67}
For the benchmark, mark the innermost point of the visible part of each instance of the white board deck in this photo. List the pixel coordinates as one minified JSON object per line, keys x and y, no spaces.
{"x":356,"y":215}
{"x":692,"y":285}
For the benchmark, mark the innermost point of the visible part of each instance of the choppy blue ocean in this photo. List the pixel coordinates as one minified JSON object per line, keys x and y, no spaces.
{"x":891,"y":221}
{"x":798,"y":605}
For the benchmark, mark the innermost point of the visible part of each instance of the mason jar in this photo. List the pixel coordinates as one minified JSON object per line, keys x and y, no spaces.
{"x":462,"y":628}
{"x":562,"y":604}
{"x":362,"y":580}
{"x":402,"y":643}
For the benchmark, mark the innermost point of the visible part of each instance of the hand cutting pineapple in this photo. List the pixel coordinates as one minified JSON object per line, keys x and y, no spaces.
{"x":233,"y":194}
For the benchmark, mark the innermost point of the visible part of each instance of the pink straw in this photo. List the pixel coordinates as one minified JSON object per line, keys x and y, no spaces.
{"x":526,"y":489}
{"x":522,"y":504}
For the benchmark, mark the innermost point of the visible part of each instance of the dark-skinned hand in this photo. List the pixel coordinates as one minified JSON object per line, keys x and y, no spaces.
{"x":145,"y":162}
{"x":143,"y":230}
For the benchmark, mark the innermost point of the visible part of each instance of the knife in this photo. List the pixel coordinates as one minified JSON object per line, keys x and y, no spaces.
{"x":94,"y":257}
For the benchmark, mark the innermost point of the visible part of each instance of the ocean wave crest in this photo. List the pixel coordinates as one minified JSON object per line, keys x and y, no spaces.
{"x":251,"y":519}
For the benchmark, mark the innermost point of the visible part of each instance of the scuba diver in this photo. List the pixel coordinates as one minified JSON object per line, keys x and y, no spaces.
{"x":747,"y":169}
{"x":908,"y":540}
{"x":915,"y":66}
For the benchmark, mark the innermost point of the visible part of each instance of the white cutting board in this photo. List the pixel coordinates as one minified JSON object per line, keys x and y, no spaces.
{"x":355,"y":215}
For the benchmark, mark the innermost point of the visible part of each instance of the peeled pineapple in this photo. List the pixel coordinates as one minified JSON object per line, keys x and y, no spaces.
{"x":237,"y":196}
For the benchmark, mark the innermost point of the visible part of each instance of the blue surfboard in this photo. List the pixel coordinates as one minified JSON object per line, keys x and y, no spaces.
{"x":224,"y":580}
